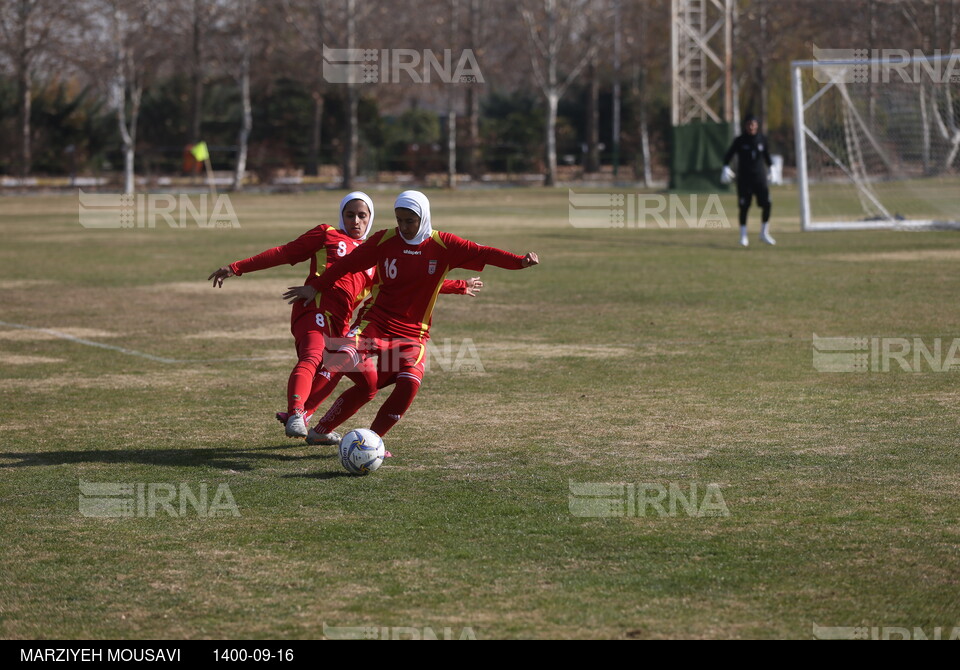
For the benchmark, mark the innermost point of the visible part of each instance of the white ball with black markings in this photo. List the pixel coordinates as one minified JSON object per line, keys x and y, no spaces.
{"x":361,"y":451}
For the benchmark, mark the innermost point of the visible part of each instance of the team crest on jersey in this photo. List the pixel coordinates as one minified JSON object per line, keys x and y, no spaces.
{"x":432,"y":267}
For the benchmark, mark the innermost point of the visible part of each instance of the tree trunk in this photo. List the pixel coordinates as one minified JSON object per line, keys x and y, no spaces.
{"x":645,"y":149}
{"x":196,"y":74}
{"x":313,"y":159}
{"x":353,"y":103}
{"x":244,"y":138}
{"x":128,"y":135}
{"x":474,"y":154}
{"x":762,"y":62}
{"x":353,"y":138}
{"x":451,"y":148}
{"x":615,"y":130}
{"x":553,"y":99}
{"x":129,"y":186}
{"x":924,"y":128}
{"x":451,"y":111}
{"x":592,"y":159}
{"x":23,"y":87}
{"x":23,"y":113}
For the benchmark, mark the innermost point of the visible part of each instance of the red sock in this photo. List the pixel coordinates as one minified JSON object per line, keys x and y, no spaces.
{"x":397,"y":404}
{"x":309,"y":353}
{"x":323,"y":385}
{"x":350,"y":401}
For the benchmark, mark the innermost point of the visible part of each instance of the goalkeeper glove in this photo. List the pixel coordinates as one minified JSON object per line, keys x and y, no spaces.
{"x":727,"y":175}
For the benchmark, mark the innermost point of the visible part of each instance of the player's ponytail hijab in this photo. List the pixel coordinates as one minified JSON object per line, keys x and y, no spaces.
{"x":357,"y":195}
{"x":416,"y":202}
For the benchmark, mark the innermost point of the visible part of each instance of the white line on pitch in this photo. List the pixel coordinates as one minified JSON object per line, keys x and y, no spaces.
{"x":132,"y":352}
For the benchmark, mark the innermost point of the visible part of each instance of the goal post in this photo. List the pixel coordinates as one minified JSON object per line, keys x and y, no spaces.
{"x":877,"y":140}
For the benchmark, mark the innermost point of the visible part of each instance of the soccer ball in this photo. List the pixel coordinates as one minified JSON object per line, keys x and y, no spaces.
{"x":361,"y":451}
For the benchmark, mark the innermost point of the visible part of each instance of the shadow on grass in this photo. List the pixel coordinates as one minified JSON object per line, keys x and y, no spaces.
{"x":320,"y":475}
{"x":225,"y":458}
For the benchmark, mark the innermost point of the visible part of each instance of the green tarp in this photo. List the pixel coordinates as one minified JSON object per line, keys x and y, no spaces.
{"x":696,"y":156}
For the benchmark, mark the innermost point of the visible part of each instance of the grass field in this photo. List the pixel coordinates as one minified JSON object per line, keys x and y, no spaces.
{"x":652,"y":359}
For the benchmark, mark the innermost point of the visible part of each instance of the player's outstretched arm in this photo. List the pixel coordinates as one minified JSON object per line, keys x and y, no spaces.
{"x":220,"y":274}
{"x":468,"y":287}
{"x":531,"y":259}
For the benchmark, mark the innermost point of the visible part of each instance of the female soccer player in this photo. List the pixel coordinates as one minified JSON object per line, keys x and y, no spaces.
{"x":311,"y":321}
{"x":325,"y":382}
{"x":411,"y":262}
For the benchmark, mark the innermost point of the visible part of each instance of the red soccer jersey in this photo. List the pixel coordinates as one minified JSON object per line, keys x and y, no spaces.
{"x":409,"y":278}
{"x":323,"y":246}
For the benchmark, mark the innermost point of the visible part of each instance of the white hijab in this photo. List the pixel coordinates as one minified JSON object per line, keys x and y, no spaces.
{"x":357,"y":195}
{"x":416,"y":202}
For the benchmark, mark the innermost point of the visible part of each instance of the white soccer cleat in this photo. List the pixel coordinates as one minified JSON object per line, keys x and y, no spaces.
{"x":744,"y":242}
{"x":314,"y":438}
{"x":296,"y":426}
{"x":766,"y":239}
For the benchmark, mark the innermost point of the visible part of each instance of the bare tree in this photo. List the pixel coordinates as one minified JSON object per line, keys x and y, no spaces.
{"x":310,"y":21}
{"x":451,"y":109}
{"x":639,"y":90}
{"x":28,"y":28}
{"x":476,"y":32}
{"x":353,"y":104}
{"x":246,"y":9}
{"x":200,"y":17}
{"x":240,"y":20}
{"x":132,"y":29}
{"x":591,"y":161}
{"x":552,"y":31}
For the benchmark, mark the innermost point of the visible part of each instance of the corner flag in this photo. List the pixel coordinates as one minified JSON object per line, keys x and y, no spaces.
{"x":200,"y":152}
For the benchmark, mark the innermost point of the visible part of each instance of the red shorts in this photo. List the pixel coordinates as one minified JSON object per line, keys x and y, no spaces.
{"x":332,"y":323}
{"x":398,"y":356}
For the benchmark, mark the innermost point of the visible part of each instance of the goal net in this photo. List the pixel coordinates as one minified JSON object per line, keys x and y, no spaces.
{"x":878,"y":141}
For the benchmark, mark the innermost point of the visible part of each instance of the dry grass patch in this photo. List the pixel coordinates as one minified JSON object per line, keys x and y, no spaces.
{"x":911,"y":255}
{"x":16,"y":359}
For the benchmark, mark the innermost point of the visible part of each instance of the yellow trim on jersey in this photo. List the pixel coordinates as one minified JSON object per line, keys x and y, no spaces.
{"x":375,"y":289}
{"x":387,"y":235}
{"x":362,"y":295}
{"x":359,"y":329}
{"x":322,"y":262}
{"x":425,"y":319}
{"x":436,"y":238}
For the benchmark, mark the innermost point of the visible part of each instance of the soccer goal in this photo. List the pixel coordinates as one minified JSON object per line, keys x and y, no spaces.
{"x":877,"y":141}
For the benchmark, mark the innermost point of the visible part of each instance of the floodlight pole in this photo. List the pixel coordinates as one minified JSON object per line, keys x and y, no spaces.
{"x":700,"y":66}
